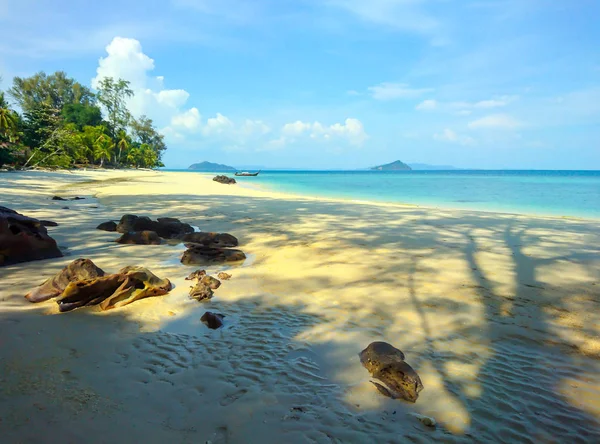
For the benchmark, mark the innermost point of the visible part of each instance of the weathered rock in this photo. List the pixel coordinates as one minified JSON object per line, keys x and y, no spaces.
{"x":77,"y":198}
{"x":24,"y":239}
{"x":396,"y":378}
{"x":80,"y":269}
{"x":211,"y":282}
{"x":201,"y":255}
{"x":224,"y":276}
{"x":107,"y":226}
{"x":216,"y":240}
{"x":48,"y":223}
{"x":198,"y":274}
{"x":212,"y":320}
{"x":165,"y":227}
{"x":224,"y":179}
{"x":201,"y":292}
{"x":140,"y":238}
{"x":116,"y":290}
{"x":58,"y":198}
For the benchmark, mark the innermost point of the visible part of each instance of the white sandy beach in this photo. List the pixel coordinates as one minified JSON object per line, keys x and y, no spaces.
{"x":499,"y":314}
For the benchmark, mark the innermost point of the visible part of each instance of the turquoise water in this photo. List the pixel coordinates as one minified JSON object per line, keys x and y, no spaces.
{"x":563,"y":193}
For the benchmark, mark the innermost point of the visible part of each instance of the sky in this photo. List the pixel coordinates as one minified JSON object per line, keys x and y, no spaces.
{"x":335,"y":83}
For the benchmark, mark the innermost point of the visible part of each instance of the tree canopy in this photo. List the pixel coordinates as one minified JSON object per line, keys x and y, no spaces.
{"x":64,"y":124}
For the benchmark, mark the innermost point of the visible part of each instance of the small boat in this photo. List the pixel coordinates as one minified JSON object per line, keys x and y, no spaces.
{"x":247,"y":174}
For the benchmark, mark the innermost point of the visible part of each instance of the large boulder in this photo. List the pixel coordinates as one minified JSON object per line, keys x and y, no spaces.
{"x":80,"y":269}
{"x":107,"y":226}
{"x":395,"y":378}
{"x":140,"y":238}
{"x":216,"y":240}
{"x":165,"y":227}
{"x":224,"y":179}
{"x":24,"y":239}
{"x":82,"y":283}
{"x":196,"y":255}
{"x":212,"y":320}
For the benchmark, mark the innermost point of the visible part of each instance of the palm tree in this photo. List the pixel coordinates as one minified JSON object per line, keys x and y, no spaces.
{"x":122,"y":144}
{"x":103,"y":148}
{"x":148,"y":155}
{"x":134,"y":156}
{"x":8,"y":121}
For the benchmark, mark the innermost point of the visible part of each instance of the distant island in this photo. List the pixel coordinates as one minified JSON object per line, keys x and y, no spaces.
{"x":211,"y":167}
{"x":394,"y":166}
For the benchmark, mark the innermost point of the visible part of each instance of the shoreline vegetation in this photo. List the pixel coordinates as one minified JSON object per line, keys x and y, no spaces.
{"x":496,"y":314}
{"x":64,"y":124}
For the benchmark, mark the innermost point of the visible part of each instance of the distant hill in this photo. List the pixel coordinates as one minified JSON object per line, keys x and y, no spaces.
{"x":211,"y":167}
{"x":426,"y":166}
{"x":394,"y":166}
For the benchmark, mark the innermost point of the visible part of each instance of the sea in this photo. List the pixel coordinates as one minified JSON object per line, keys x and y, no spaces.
{"x":550,"y":193}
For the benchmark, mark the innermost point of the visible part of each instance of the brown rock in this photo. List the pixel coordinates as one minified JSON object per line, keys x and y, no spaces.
{"x":201,"y":292}
{"x":107,"y":226}
{"x":200,"y":255}
{"x":116,"y":290}
{"x":216,"y":240}
{"x":198,"y":274}
{"x":211,"y":282}
{"x":140,"y":238}
{"x":212,"y":320}
{"x":396,"y":378}
{"x":224,"y":179}
{"x":80,"y":269}
{"x":224,"y":276}
{"x":165,"y":227}
{"x":24,"y":239}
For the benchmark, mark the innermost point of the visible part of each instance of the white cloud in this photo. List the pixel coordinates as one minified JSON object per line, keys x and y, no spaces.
{"x":465,"y":108}
{"x":217,"y":125}
{"x":254,"y":128}
{"x":189,"y":120}
{"x":452,"y":137}
{"x":351,"y":130}
{"x":427,"y":105}
{"x":391,"y":91}
{"x":495,"y":121}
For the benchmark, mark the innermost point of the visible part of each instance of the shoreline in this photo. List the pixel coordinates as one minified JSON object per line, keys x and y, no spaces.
{"x":498,"y":314}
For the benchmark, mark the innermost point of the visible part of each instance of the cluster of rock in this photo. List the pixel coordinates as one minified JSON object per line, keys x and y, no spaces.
{"x":221,"y":178}
{"x":207,"y":248}
{"x":395,"y":378}
{"x":82,"y":283}
{"x":24,"y":238}
{"x":202,"y":290}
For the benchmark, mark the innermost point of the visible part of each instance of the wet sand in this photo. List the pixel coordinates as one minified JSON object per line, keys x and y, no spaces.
{"x":499,"y":314}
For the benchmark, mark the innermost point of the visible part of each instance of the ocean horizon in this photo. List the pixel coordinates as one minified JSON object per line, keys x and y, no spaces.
{"x":568,"y":193}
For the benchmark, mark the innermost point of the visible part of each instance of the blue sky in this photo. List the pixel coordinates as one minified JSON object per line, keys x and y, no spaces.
{"x":335,"y":83}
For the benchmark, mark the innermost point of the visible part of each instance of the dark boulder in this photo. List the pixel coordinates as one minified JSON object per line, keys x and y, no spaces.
{"x":224,"y":276}
{"x":77,"y":270}
{"x":58,"y":198}
{"x":24,"y":239}
{"x":395,"y":378}
{"x":48,"y":223}
{"x":212,"y":320}
{"x":224,"y":179}
{"x":217,"y":240}
{"x":198,"y":274}
{"x":165,"y":227}
{"x":107,"y":226}
{"x":200,"y":255}
{"x":140,"y":238}
{"x":201,"y":292}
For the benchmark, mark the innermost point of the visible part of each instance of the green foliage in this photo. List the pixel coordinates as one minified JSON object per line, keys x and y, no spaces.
{"x":55,"y":90}
{"x":63,"y":127}
{"x":81,"y":114}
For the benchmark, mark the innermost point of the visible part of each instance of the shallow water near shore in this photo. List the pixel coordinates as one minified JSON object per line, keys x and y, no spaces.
{"x":556,"y":193}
